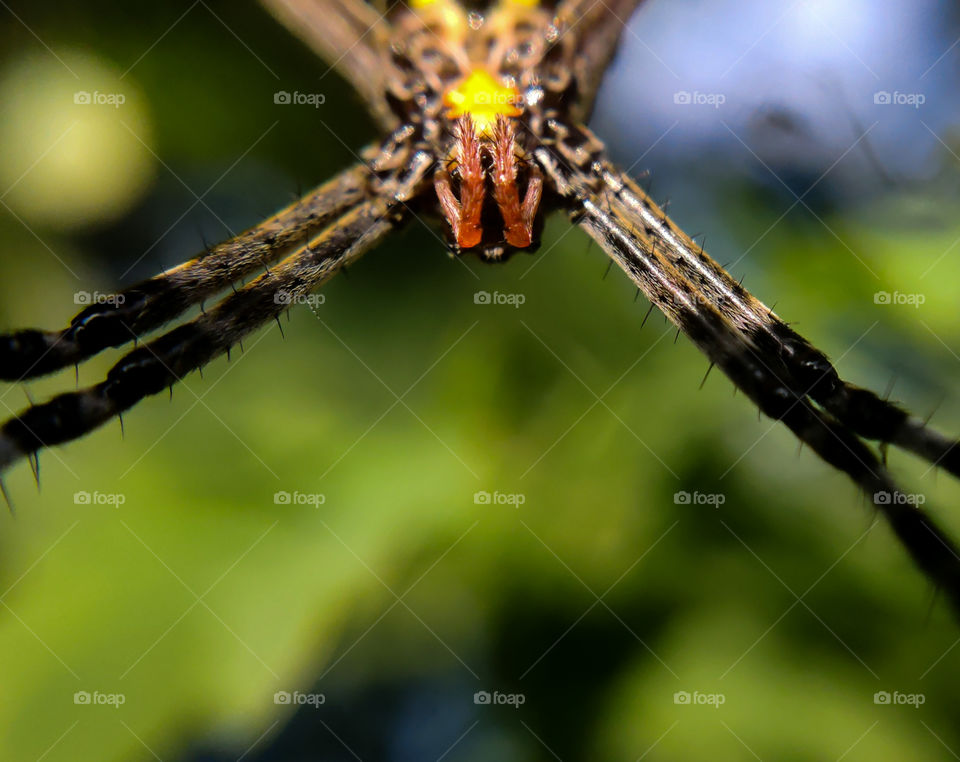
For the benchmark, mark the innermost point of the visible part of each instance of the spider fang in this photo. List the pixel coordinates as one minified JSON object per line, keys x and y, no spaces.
{"x":499,"y":146}
{"x":485,"y":144}
{"x":464,"y":215}
{"x":517,"y":218}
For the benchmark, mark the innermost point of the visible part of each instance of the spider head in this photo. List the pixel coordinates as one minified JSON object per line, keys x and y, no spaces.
{"x":479,"y":184}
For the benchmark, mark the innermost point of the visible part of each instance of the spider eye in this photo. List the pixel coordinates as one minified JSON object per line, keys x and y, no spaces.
{"x":533,"y":96}
{"x":429,"y":55}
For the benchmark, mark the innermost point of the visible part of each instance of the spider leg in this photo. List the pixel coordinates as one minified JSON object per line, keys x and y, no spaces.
{"x":348,"y":35}
{"x":168,"y":358}
{"x":148,"y":305}
{"x":866,"y":413}
{"x":763,"y":376}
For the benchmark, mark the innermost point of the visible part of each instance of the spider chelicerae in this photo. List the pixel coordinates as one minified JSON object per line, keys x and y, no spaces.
{"x":484,"y":113}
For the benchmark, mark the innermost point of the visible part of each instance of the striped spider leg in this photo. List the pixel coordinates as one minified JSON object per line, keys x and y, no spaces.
{"x":152,"y":303}
{"x":324,"y":232}
{"x":780,"y":371}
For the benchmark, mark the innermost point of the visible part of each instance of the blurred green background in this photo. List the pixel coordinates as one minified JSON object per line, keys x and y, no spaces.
{"x":200,"y":601}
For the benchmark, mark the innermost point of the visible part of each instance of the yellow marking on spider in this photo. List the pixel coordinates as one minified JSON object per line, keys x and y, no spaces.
{"x":448,"y":13}
{"x":483,"y":97}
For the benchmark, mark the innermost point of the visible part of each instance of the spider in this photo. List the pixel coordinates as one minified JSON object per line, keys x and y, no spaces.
{"x":484,"y":116}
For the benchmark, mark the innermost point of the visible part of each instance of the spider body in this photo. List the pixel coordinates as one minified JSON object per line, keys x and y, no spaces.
{"x":485,"y":129}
